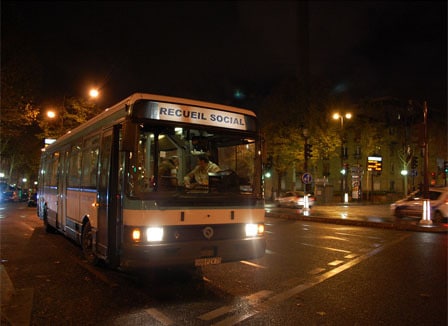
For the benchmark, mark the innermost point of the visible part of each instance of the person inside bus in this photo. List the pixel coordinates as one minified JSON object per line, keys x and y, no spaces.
{"x":199,"y":175}
{"x":168,"y":173}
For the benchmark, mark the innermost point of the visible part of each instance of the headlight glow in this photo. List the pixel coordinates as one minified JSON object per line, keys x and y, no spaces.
{"x":253,"y":230}
{"x":154,"y":234}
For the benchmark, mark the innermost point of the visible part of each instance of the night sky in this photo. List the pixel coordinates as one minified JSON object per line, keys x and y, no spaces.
{"x":207,"y":50}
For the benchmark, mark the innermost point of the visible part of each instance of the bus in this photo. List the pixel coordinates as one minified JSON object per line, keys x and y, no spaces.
{"x":100,"y":185}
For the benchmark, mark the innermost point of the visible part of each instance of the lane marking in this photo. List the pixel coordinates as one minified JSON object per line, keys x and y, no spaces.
{"x":327,"y":248}
{"x":316,"y":271}
{"x":252,"y":264}
{"x":336,"y":262}
{"x":216,"y":313}
{"x":159,"y":316}
{"x":252,"y":300}
{"x":358,"y":235}
{"x":26,"y":226}
{"x":329,"y":237}
{"x":258,"y":296}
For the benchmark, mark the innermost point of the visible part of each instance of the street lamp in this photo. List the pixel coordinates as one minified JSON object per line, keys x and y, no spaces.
{"x":344,"y":155}
{"x":337,"y":116}
{"x":53,"y":115}
{"x":94,"y":93}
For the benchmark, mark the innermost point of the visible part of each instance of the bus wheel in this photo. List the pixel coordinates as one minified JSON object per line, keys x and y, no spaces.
{"x":438,"y":217}
{"x":48,"y":227}
{"x":87,"y":244}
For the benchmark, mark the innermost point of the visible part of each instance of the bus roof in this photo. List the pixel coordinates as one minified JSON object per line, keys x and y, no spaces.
{"x":118,"y":110}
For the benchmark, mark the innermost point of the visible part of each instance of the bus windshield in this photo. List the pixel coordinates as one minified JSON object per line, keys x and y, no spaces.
{"x":167,"y":160}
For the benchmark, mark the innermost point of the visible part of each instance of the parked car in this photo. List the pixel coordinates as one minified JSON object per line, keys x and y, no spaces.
{"x":294,"y":199}
{"x":412,"y":205}
{"x":9,"y":195}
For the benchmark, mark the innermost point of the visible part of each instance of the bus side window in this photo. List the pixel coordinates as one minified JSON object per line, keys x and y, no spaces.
{"x":74,"y":172}
{"x":90,"y":162}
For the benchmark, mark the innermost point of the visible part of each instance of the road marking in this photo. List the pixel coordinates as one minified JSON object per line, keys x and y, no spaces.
{"x":327,"y":248}
{"x":159,"y":316}
{"x":313,"y":281}
{"x":29,"y":228}
{"x":252,"y":264}
{"x":336,"y":262}
{"x":316,"y":271}
{"x":252,"y":299}
{"x":329,"y":237}
{"x":357,"y":235}
{"x":216,"y":313}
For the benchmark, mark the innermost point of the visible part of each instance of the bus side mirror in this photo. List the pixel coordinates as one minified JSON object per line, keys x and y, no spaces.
{"x":129,"y":143}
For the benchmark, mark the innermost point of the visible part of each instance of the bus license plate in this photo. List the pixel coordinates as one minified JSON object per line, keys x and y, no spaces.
{"x":207,"y":261}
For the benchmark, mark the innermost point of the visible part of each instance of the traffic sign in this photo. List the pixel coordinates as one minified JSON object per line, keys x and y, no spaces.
{"x":307,"y":178}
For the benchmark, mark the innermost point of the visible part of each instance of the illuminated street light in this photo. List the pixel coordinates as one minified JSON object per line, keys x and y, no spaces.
{"x":337,"y":116}
{"x":55,"y":115}
{"x":94,"y":93}
{"x":344,"y":190}
{"x":51,"y":114}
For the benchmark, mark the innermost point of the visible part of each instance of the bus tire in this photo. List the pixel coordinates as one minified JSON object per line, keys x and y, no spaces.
{"x":438,"y":217}
{"x":48,"y":227}
{"x":87,"y":244}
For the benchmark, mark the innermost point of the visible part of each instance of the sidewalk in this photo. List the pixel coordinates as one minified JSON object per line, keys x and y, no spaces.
{"x":358,"y":214}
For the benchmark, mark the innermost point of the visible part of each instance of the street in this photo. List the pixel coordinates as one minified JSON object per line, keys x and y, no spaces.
{"x":312,"y":274}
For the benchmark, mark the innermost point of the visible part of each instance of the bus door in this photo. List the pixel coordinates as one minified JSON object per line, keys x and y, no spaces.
{"x":108,"y":237}
{"x":62,"y":191}
{"x":103,"y":196}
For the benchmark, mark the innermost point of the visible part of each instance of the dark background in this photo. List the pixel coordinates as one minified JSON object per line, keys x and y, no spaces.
{"x":212,"y":50}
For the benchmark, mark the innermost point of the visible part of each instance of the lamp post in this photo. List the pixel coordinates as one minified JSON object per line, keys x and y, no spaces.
{"x":344,"y":155}
{"x":426,"y":217}
{"x":305,"y":134}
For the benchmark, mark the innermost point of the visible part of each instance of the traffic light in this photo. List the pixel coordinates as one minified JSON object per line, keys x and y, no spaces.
{"x":445,"y":164}
{"x":268,"y":167}
{"x":414,"y":163}
{"x":308,"y":151}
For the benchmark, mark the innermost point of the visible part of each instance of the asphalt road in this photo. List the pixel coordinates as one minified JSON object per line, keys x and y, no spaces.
{"x":312,"y":273}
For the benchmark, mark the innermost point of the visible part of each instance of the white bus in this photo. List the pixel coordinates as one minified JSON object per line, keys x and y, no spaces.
{"x":99,"y":184}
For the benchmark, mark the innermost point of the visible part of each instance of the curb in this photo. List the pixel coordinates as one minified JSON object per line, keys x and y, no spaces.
{"x":402,"y":226}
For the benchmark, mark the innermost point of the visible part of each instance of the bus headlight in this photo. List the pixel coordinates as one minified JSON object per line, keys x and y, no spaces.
{"x":154,"y":234}
{"x":253,"y":230}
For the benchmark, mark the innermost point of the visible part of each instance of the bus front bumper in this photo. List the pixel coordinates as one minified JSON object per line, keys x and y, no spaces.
{"x":191,"y":254}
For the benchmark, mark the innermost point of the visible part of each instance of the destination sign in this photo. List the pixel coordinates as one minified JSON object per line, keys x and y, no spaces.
{"x":193,"y":115}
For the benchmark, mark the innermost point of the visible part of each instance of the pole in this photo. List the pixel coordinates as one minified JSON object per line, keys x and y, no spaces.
{"x":305,"y":156}
{"x":426,"y":215}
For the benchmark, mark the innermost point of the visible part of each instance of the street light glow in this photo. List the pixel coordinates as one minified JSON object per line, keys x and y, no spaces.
{"x":337,"y":116}
{"x":94,"y":93}
{"x":51,"y":114}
